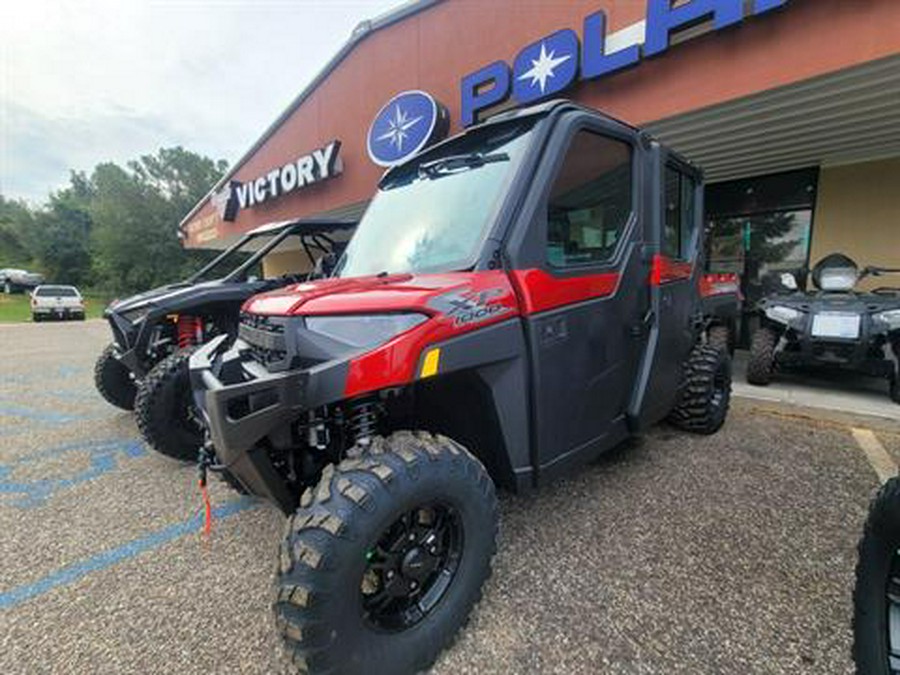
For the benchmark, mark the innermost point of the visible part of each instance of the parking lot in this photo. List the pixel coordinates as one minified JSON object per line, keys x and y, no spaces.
{"x":674,"y":554}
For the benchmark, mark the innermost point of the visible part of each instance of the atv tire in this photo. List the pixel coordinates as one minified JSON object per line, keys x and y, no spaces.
{"x":706,"y":392}
{"x":877,"y":571}
{"x":762,"y":356}
{"x":720,"y":336}
{"x":358,"y":540}
{"x":114,"y":381}
{"x":163,"y":409}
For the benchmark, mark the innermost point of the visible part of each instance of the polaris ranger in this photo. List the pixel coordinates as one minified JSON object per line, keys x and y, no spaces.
{"x":516,"y":300}
{"x":145,"y":368}
{"x":834,"y":327}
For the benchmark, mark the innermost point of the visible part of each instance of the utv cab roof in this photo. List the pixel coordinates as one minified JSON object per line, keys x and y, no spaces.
{"x":538,"y":110}
{"x":308,"y":225}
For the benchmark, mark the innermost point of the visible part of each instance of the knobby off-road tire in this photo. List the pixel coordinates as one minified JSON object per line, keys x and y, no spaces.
{"x":721,"y":337}
{"x":163,"y":409}
{"x":877,"y":571}
{"x":762,"y":356}
{"x":706,"y":391}
{"x":114,"y":381}
{"x":334,"y":542}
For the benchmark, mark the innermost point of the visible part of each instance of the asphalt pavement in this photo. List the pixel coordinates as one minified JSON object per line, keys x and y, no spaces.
{"x":672,"y":554}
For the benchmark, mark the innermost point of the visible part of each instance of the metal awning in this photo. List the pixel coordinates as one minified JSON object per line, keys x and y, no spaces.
{"x":848,"y":116}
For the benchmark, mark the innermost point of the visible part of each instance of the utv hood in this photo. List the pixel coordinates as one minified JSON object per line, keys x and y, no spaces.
{"x":366,"y":295}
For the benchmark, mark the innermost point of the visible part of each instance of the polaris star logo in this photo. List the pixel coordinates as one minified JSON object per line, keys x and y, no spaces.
{"x":407,"y":124}
{"x":557,"y":61}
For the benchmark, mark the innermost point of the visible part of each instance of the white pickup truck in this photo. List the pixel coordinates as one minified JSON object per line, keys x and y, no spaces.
{"x":56,"y":302}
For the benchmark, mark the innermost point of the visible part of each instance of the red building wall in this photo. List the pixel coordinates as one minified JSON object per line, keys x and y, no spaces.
{"x":433,"y":49}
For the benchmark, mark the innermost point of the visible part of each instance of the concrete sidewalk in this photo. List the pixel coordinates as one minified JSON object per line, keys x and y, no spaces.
{"x":842,"y":392}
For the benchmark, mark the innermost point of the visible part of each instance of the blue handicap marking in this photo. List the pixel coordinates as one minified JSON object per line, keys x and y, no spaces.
{"x":103,"y":457}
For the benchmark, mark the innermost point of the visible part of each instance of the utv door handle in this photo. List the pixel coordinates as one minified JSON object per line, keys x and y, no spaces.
{"x":552,"y":331}
{"x":639,"y":330}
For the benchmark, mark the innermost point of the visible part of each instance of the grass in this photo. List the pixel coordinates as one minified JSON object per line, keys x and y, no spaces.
{"x":16,"y":308}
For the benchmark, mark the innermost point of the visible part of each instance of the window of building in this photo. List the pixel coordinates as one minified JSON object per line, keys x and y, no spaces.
{"x":590,"y":202}
{"x":680,"y":222}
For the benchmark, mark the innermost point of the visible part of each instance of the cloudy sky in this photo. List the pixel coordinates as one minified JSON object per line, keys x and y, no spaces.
{"x":85,"y":81}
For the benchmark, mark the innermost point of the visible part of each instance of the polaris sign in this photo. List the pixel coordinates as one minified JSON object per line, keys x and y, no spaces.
{"x":555,"y":62}
{"x":319,"y":165}
{"x":408,"y":123}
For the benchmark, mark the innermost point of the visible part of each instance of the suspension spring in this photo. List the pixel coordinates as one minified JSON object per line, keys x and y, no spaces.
{"x":190,"y":331}
{"x":363,"y":420}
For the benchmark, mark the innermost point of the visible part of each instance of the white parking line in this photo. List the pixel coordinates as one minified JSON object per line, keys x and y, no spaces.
{"x":878,"y":457}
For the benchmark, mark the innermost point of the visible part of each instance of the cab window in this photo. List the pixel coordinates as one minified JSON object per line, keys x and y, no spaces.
{"x":680,"y":216}
{"x":590,"y":201}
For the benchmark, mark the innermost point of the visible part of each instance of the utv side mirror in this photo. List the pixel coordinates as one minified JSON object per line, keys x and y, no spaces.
{"x":789,"y":281}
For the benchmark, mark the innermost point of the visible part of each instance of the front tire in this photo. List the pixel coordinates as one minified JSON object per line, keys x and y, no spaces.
{"x":706,"y":392}
{"x":762,"y":356}
{"x":876,"y":597}
{"x":163,"y":409}
{"x":384,"y":560}
{"x":113,"y":380}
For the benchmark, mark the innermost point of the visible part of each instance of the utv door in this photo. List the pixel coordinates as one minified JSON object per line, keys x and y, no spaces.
{"x":582,"y":286}
{"x":675,"y":235}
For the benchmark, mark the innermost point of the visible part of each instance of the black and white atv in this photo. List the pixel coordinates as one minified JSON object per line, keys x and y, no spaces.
{"x":145,"y":368}
{"x":834,"y":326}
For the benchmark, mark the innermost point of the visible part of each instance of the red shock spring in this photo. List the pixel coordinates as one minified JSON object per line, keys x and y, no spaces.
{"x":190,"y":331}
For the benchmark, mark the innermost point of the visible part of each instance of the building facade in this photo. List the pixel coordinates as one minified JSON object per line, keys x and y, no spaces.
{"x":791,"y":107}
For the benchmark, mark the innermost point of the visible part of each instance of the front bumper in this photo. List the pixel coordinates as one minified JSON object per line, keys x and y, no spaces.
{"x":870,"y":353}
{"x":249,"y":409}
{"x":59,"y":312}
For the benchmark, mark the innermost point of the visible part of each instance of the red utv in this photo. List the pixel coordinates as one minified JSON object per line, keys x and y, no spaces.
{"x":517,"y":300}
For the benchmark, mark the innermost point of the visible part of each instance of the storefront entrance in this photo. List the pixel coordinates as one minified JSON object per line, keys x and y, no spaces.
{"x":761,"y":228}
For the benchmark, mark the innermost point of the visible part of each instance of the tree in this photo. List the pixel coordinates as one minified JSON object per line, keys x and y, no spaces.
{"x":116,"y":228}
{"x":135,"y":214}
{"x":15,"y":219}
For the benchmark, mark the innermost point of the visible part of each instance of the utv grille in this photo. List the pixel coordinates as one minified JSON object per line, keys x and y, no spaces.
{"x":265,"y":335}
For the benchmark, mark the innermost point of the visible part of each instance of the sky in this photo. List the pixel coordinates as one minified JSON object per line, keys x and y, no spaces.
{"x":87,"y":81}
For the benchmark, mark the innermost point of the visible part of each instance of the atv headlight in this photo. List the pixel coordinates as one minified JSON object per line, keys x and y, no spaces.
{"x":783,"y":314}
{"x":363,"y":330}
{"x":890,"y":318}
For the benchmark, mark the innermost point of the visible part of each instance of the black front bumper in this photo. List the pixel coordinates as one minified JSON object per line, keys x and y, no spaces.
{"x":247,"y":408}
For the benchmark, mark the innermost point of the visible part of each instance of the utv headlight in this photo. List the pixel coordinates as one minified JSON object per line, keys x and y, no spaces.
{"x":783,"y":314}
{"x":890,"y":318}
{"x":363,"y":330}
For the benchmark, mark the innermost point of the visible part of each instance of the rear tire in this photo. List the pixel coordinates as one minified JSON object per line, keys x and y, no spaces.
{"x":720,"y":336}
{"x":895,"y":388}
{"x":113,"y":380}
{"x":163,"y":409}
{"x":338,"y":559}
{"x":878,"y":563}
{"x":762,"y":356}
{"x":706,"y":392}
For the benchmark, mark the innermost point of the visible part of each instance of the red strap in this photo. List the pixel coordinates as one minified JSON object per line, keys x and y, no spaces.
{"x":207,"y":509}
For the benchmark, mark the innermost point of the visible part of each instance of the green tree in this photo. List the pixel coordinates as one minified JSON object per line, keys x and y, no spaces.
{"x":135,"y":213}
{"x":15,"y":219}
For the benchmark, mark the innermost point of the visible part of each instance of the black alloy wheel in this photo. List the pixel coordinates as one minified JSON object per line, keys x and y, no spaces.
{"x":385,"y":558}
{"x":411,"y":566}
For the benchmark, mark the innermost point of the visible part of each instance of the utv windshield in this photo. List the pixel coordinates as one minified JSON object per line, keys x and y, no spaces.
{"x":433,"y":214}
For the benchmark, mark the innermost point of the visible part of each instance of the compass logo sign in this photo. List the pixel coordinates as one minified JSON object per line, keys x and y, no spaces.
{"x":407,"y":124}
{"x":546,"y":66}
